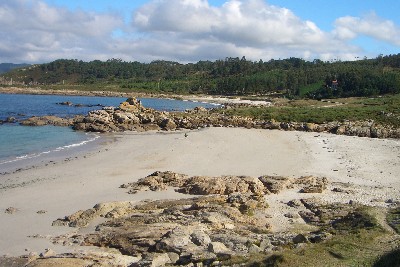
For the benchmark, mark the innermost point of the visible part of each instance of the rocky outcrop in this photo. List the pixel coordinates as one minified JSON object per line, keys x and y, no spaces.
{"x":49,"y":120}
{"x":70,"y":104}
{"x":83,"y":218}
{"x":229,"y":221}
{"x":202,"y":229}
{"x":225,"y":185}
{"x":132,"y":116}
{"x":129,"y":116}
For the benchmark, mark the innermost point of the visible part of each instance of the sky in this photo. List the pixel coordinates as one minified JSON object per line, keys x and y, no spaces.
{"x":40,"y":31}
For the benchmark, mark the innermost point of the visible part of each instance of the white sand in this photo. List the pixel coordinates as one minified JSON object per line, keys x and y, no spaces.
{"x":371,"y":166}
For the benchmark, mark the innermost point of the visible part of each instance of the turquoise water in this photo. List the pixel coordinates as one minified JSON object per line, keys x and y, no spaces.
{"x":21,"y":146}
{"x":22,"y":142}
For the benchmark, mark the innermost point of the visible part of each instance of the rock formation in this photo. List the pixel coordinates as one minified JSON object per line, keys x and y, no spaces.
{"x":229,"y":221}
{"x":226,"y":185}
{"x":132,"y":116}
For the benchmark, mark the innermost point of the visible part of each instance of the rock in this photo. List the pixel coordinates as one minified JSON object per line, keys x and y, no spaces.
{"x":312,"y":184}
{"x":173,"y":257}
{"x":218,"y":248}
{"x":83,"y":218}
{"x":11,"y":210}
{"x":254,"y":249}
{"x":201,"y":230}
{"x":199,"y":185}
{"x":32,"y":256}
{"x":265,"y":245}
{"x":318,"y":237}
{"x":99,"y":259}
{"x":132,"y":116}
{"x":311,"y":127}
{"x":47,"y":253}
{"x":47,"y":120}
{"x":200,"y":238}
{"x":168,"y":125}
{"x":157,"y":181}
{"x":10,"y":120}
{"x":341,"y":190}
{"x":292,"y":215}
{"x":131,"y":105}
{"x":160,"y":260}
{"x":66,"y":103}
{"x":275,"y":184}
{"x":309,"y":217}
{"x":174,"y":241}
{"x":300,"y":238}
{"x":295,"y":203}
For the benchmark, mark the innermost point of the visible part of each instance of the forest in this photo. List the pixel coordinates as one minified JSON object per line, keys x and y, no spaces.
{"x":292,"y":77}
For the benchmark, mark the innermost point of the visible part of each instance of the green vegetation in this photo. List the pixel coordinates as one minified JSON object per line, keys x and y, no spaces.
{"x":299,"y":84}
{"x":292,"y":77}
{"x":362,"y":249}
{"x":310,"y":89}
{"x":5,"y":67}
{"x":358,"y":240}
{"x":393,"y":219}
{"x":384,"y":110}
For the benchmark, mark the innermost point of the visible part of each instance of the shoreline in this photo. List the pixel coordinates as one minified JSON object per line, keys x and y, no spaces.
{"x":67,"y":186}
{"x":56,"y":155}
{"x":195,"y":98}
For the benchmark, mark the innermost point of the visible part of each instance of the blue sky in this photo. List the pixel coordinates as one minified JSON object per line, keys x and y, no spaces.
{"x":192,"y":30}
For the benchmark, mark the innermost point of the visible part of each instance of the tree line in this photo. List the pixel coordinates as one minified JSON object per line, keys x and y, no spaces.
{"x":230,"y":76}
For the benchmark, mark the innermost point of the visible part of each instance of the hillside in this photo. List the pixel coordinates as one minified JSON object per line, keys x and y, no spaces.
{"x":5,"y":67}
{"x":232,"y":76}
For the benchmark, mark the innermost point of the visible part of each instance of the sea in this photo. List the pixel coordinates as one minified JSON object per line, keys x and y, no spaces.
{"x":26,"y":146}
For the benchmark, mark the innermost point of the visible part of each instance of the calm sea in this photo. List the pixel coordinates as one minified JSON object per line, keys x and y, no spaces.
{"x":23,"y":146}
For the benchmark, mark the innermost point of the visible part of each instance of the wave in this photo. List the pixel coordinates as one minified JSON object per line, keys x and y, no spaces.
{"x":93,"y":138}
{"x":77,"y":144}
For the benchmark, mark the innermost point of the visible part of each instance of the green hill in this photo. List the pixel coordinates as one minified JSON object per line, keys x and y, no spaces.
{"x":5,"y":67}
{"x":293,"y":77}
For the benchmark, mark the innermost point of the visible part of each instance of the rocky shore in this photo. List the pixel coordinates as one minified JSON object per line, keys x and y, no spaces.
{"x":233,"y":197}
{"x":226,"y":226}
{"x":132,"y":116}
{"x":204,"y":212}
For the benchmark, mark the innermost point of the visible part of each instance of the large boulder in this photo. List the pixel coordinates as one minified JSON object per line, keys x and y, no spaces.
{"x":275,"y":184}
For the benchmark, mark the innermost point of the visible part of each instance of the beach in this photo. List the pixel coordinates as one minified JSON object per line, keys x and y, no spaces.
{"x":369,"y":167}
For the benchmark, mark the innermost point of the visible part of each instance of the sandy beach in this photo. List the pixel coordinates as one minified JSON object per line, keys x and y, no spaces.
{"x":370,"y":167}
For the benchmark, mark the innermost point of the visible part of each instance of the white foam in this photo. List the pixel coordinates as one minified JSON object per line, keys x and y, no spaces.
{"x":58,"y":149}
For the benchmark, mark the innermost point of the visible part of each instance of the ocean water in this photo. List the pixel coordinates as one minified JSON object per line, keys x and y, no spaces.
{"x":23,"y":146}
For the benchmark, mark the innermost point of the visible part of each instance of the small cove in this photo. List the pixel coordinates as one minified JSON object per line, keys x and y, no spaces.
{"x":25,"y":146}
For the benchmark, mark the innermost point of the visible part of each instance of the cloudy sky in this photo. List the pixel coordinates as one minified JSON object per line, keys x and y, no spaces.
{"x":38,"y":31}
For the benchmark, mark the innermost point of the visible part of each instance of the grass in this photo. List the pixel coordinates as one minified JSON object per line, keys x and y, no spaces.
{"x":358,"y":240}
{"x":383,"y":110}
{"x":393,"y":219}
{"x":364,"y":248}
{"x":310,"y":88}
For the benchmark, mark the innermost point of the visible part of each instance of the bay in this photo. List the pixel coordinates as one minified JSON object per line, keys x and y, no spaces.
{"x":22,"y":146}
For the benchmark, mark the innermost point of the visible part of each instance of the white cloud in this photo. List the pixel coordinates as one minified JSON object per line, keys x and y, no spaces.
{"x":251,"y":28}
{"x":246,"y":23}
{"x":33,"y":31}
{"x":180,"y":30}
{"x":370,"y":25}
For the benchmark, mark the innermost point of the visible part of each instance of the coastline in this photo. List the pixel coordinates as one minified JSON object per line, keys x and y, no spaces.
{"x":56,"y":154}
{"x":195,"y":98}
{"x":67,"y":186}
